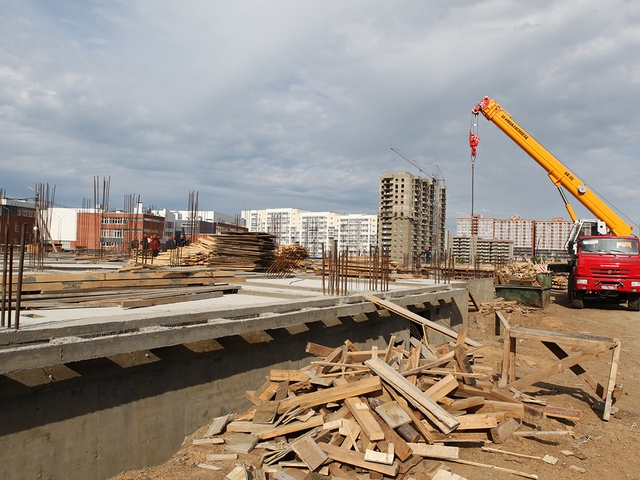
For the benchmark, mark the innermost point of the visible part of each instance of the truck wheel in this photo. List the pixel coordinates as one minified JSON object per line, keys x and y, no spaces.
{"x":577,"y":301}
{"x":576,"y":298}
{"x":633,"y":303}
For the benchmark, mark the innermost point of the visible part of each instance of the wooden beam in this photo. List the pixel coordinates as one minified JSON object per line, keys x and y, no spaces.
{"x":361,"y":387}
{"x":444,"y":420}
{"x":397,"y":309}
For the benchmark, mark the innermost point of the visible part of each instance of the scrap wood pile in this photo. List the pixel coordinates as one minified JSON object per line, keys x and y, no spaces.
{"x":233,"y":251}
{"x":522,"y":273}
{"x":502,"y":305}
{"x":381,"y":410}
{"x":127,"y":288}
{"x":288,"y":259}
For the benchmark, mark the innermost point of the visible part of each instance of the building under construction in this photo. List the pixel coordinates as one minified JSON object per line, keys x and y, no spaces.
{"x":412,"y":217}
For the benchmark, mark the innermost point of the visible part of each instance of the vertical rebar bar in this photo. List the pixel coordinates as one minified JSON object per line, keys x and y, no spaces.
{"x":10,"y":285}
{"x":23,"y":244}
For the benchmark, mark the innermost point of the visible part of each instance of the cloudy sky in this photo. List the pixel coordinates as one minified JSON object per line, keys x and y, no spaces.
{"x":297,"y":103}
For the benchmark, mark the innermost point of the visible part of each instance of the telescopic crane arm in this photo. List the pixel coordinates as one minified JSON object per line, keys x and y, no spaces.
{"x":559,"y":174}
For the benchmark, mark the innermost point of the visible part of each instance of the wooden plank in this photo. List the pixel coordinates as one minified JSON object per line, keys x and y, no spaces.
{"x":476,"y":422}
{"x":356,"y":459}
{"x":445,"y":421}
{"x":463,"y":364}
{"x":397,"y":309}
{"x":612,"y":382}
{"x":276,"y":375}
{"x":309,"y":452}
{"x":360,"y":387}
{"x":465,"y":404}
{"x":318,"y":350}
{"x":186,"y":297}
{"x":426,"y":434}
{"x":362,"y":415}
{"x":441,"y":389}
{"x":494,"y":467}
{"x":510,"y":409}
{"x":266,"y":412}
{"x":434,"y":451}
{"x":393,"y":414}
{"x":292,"y":427}
{"x":380,"y":457}
{"x":218,"y":425}
{"x":462,"y":437}
{"x":208,"y":441}
{"x":558,"y":366}
{"x":391,"y":436}
{"x":504,"y":430}
{"x":580,"y":372}
{"x":218,"y":457}
{"x":572,"y":339}
{"x":241,"y":442}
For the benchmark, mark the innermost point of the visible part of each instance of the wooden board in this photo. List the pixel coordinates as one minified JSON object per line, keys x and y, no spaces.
{"x":397,"y":309}
{"x":444,"y":420}
{"x":361,"y":387}
{"x":309,"y":452}
{"x":357,"y":460}
{"x":434,"y":451}
{"x":393,"y":414}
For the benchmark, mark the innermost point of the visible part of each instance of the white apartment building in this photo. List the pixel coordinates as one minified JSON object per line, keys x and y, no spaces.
{"x":545,"y":238}
{"x":357,"y":232}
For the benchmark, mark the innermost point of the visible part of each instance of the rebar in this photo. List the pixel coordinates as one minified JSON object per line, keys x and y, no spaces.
{"x":23,"y":244}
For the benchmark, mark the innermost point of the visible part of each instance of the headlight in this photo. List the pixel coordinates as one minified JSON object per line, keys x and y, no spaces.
{"x":635,"y":284}
{"x":582,"y":281}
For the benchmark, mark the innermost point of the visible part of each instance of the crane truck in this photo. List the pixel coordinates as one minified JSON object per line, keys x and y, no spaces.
{"x":604,"y":256}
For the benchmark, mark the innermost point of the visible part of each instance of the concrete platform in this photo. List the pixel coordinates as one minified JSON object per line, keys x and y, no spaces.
{"x":95,"y":391}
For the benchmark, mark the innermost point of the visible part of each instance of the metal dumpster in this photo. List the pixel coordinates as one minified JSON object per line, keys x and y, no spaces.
{"x":534,"y":296}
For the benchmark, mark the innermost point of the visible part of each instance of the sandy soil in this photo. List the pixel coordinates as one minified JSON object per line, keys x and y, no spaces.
{"x":606,"y":450}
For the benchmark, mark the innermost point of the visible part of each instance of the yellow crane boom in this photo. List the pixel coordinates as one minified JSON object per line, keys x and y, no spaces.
{"x":559,"y":174}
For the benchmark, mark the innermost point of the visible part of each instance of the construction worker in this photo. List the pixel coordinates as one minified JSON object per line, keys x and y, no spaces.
{"x":154,"y":245}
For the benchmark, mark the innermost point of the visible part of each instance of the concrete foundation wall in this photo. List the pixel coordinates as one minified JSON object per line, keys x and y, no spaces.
{"x":93,"y":419}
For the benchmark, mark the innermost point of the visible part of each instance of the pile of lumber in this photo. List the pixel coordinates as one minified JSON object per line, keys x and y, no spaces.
{"x":382,"y":411}
{"x":522,"y":273}
{"x":127,"y":288}
{"x":232,"y":251}
{"x":560,"y":281}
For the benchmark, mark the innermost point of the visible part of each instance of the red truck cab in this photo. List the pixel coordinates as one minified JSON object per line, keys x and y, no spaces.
{"x":605,"y":266}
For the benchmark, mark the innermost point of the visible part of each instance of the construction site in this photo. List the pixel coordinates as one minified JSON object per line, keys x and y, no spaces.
{"x":235,"y":355}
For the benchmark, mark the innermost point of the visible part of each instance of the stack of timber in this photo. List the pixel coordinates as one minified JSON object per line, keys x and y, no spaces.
{"x":232,"y":251}
{"x":522,"y":273}
{"x":560,"y":281}
{"x":382,"y":411}
{"x":127,"y":288}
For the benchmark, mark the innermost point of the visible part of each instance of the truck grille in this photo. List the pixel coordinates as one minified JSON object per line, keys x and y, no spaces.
{"x":610,"y":272}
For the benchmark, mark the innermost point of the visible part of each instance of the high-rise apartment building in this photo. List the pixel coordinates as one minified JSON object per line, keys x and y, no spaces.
{"x":412,"y":216}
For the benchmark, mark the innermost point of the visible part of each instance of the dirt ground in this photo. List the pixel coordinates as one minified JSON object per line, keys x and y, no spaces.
{"x":605,"y":450}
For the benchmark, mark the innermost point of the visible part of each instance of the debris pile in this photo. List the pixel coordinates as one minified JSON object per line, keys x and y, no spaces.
{"x":522,"y":273}
{"x":382,"y":411}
